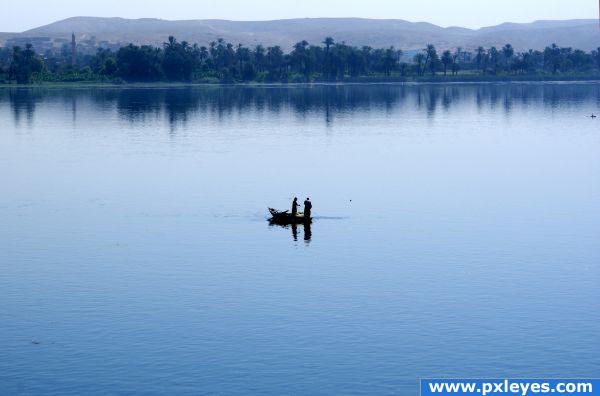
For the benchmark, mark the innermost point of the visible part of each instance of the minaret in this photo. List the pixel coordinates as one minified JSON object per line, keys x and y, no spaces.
{"x":73,"y":50}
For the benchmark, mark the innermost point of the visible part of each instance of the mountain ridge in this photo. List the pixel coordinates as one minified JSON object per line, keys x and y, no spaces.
{"x":577,"y":33}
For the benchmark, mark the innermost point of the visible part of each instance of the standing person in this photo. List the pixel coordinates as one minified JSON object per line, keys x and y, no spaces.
{"x":307,"y":208}
{"x":295,"y":207}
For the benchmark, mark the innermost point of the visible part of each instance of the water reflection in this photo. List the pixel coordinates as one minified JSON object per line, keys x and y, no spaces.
{"x":179,"y":105}
{"x":23,"y":103}
{"x":118,"y":236}
{"x":306,"y":230}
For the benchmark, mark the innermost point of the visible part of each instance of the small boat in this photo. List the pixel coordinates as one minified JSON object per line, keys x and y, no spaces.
{"x":286,"y":217}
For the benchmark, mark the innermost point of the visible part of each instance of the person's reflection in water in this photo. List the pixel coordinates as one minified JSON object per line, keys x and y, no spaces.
{"x":307,"y":232}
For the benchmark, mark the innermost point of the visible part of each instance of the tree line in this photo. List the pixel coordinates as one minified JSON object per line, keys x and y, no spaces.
{"x":180,"y":61}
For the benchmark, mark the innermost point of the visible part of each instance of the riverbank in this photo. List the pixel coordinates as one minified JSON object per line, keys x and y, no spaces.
{"x":464,"y":79}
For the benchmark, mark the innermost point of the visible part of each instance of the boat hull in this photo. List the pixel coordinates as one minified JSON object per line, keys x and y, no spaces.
{"x":285,"y":217}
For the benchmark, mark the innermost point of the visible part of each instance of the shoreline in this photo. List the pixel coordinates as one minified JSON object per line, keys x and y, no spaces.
{"x":432,"y":81}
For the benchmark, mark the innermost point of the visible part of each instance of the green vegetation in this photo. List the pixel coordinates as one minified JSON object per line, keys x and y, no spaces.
{"x":223,"y":62}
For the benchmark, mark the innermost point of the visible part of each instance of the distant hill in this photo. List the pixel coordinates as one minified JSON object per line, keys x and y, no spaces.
{"x":4,"y":36}
{"x":583,"y":34}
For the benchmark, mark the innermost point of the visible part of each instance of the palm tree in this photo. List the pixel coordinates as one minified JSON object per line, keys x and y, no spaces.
{"x":240,"y":57}
{"x":328,"y":43}
{"x":456,"y":60}
{"x":171,"y":43}
{"x":390,"y":61}
{"x":480,"y":57}
{"x":399,"y":55}
{"x":493,"y":54}
{"x":301,"y":46}
{"x":508,"y":52}
{"x":203,"y":54}
{"x":299,"y":58}
{"x":259,"y":57}
{"x":552,"y":57}
{"x":419,"y":60}
{"x":428,"y":51}
{"x":446,"y":60}
{"x":213,"y":49}
{"x":431,"y":58}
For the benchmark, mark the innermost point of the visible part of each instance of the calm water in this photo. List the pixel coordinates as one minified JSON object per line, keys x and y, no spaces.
{"x":456,"y":234}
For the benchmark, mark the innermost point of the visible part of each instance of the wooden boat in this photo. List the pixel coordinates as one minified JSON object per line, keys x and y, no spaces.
{"x":285,"y":217}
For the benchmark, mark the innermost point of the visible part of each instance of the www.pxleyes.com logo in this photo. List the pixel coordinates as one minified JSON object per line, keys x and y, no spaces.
{"x":510,"y":387}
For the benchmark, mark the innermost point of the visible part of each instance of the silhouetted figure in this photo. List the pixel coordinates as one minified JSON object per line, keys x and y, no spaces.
{"x":307,"y":209}
{"x":295,"y":207}
{"x":295,"y":231}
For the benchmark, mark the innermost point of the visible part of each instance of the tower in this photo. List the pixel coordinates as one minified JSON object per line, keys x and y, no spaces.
{"x":73,"y":50}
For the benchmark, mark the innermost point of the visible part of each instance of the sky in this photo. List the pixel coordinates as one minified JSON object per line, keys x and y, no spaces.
{"x":20,"y":15}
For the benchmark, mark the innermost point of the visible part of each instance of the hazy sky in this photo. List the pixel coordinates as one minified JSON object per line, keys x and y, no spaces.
{"x":19,"y":15}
